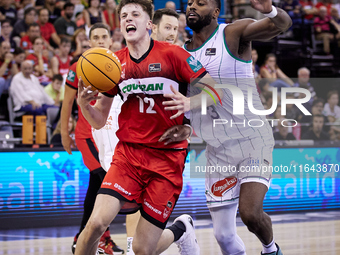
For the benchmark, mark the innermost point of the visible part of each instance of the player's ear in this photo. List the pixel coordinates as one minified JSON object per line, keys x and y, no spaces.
{"x":216,"y":13}
{"x":149,"y":25}
{"x":154,"y":29}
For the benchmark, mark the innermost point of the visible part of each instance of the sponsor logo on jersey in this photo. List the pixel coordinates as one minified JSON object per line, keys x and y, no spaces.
{"x":222,"y":186}
{"x":210,"y":52}
{"x":142,"y":87}
{"x":194,"y":64}
{"x":71,"y":75}
{"x":166,"y":212}
{"x":156,"y":67}
{"x":120,"y":188}
{"x":169,"y":204}
{"x":152,"y":208}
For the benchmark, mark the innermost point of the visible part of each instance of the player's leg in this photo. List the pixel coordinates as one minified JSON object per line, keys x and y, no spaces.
{"x":224,"y":224}
{"x":131,"y":225}
{"x":105,"y":210}
{"x":253,"y":216}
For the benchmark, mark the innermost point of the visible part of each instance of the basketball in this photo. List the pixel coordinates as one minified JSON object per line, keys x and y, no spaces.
{"x":99,"y":68}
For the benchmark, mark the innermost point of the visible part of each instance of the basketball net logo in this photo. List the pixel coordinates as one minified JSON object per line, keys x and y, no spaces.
{"x":222,"y":186}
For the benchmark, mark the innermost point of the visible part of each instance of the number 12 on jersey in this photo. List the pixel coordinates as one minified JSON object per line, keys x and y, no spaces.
{"x":148,"y":100}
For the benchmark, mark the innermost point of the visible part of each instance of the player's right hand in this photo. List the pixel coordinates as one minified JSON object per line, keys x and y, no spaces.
{"x":67,"y":143}
{"x":86,"y":95}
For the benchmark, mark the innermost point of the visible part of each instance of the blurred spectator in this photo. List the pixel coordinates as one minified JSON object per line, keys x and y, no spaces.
{"x":283,"y":131}
{"x":117,"y":36}
{"x":116,"y":46}
{"x":292,"y":112}
{"x":93,"y":14}
{"x":78,"y":8}
{"x":111,"y":15}
{"x":316,"y":133}
{"x":274,"y":74}
{"x":293,"y":8}
{"x":322,"y":25}
{"x":6,"y":30}
{"x":19,"y":56}
{"x":77,"y":38}
{"x":56,"y":135}
{"x":47,"y":29}
{"x":317,"y":109}
{"x":21,"y":26}
{"x":53,"y":11}
{"x":309,"y":10}
{"x":254,"y":57}
{"x":34,"y":101}
{"x":22,"y":6}
{"x":183,"y":35}
{"x":26,"y":41}
{"x":55,"y":89}
{"x":170,"y":5}
{"x":331,"y":109}
{"x":8,"y":67}
{"x":64,"y":26}
{"x":61,"y":63}
{"x":165,"y":25}
{"x":7,"y":11}
{"x":335,"y":15}
{"x":303,"y":82}
{"x":40,"y":62}
{"x":324,"y":3}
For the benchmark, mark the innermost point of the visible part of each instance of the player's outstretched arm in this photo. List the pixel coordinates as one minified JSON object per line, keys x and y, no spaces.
{"x":65,"y":114}
{"x":95,"y":115}
{"x":264,"y":29}
{"x":185,"y":104}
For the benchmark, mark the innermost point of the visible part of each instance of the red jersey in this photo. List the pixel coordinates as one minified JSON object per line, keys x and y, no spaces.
{"x":64,"y":67}
{"x":47,"y":30}
{"x":34,"y":59}
{"x":143,"y":82}
{"x":8,"y":69}
{"x":25,"y":43}
{"x":83,"y":128}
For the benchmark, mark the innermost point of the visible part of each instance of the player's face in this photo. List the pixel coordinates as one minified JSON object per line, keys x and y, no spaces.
{"x":199,"y":14}
{"x":135,"y":23}
{"x":167,"y":29}
{"x":100,"y":37}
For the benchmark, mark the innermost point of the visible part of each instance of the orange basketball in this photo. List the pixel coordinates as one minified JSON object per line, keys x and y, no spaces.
{"x":99,"y":68}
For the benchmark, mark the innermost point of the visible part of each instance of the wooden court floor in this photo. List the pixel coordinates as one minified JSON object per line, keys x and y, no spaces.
{"x":305,"y":238}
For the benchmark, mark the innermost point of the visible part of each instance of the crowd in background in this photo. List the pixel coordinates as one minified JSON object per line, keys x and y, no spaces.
{"x":41,"y":39}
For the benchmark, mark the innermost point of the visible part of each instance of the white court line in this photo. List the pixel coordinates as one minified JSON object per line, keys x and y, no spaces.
{"x":23,"y":236}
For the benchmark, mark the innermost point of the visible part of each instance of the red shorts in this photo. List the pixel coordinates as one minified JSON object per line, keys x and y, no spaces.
{"x":147,"y":179}
{"x":89,"y":151}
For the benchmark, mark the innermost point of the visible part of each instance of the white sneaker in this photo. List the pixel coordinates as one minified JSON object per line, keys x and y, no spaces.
{"x":187,"y":244}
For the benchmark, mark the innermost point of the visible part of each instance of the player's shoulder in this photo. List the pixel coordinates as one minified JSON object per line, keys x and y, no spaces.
{"x":121,"y":54}
{"x":73,"y":67}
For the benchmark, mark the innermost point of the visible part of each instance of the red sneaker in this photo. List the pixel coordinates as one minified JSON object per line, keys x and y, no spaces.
{"x":108,"y":245}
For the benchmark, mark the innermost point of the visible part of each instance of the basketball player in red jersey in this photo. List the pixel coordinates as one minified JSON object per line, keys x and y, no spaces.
{"x":145,"y":174}
{"x":60,"y":64}
{"x":99,"y":37}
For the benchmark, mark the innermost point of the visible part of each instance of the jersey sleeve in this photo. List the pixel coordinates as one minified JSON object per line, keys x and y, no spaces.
{"x":72,"y":79}
{"x":187,"y":68}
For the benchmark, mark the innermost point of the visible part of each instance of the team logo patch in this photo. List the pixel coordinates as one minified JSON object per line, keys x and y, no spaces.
{"x":71,"y":76}
{"x":266,"y":162}
{"x":210,"y":52}
{"x":194,"y":64}
{"x":169,"y":204}
{"x":156,"y":67}
{"x":222,"y":186}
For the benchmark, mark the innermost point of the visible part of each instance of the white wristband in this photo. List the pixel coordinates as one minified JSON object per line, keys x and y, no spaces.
{"x":191,"y":130}
{"x":272,"y":14}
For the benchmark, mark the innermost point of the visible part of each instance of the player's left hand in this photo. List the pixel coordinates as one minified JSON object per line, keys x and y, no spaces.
{"x":179,"y":102}
{"x":176,"y":133}
{"x":263,"y":6}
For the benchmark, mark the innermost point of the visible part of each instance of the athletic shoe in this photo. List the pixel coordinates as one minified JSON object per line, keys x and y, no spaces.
{"x":278,"y":252}
{"x":129,"y":250}
{"x":74,"y":243}
{"x":187,"y":243}
{"x":108,"y":245}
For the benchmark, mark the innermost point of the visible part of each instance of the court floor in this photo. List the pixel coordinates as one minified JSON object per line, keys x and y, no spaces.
{"x":304,"y":233}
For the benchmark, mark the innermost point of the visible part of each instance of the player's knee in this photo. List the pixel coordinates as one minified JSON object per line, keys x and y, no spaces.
{"x":140,"y":249}
{"x":95,"y":226}
{"x":224,"y":236}
{"x":251,"y":218}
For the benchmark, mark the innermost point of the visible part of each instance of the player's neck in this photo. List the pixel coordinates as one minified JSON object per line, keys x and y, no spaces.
{"x":137,"y":49}
{"x":202,"y":36}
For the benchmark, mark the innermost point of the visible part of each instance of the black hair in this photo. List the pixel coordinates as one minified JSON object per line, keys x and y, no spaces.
{"x":99,"y":25}
{"x":58,"y":77}
{"x":165,"y":11}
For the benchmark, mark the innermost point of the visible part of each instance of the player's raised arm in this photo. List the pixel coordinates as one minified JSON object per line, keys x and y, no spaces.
{"x":185,"y":104}
{"x":276,"y":22}
{"x":95,"y":115}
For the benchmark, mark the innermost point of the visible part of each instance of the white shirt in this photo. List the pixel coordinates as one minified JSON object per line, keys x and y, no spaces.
{"x":24,"y":90}
{"x":327,"y":111}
